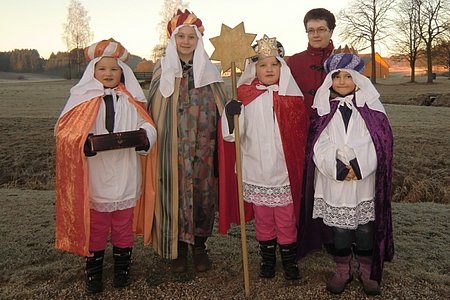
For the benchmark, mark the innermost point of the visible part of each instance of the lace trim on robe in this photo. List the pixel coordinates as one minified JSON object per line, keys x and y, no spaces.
{"x":344,"y":217}
{"x":267,"y":196}
{"x":112,"y":206}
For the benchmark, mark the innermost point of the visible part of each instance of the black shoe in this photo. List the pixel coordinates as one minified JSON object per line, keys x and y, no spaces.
{"x":122,"y":262}
{"x":266,"y":270}
{"x":291,"y":272}
{"x":289,"y":260}
{"x":269,"y":258}
{"x":93,"y":273}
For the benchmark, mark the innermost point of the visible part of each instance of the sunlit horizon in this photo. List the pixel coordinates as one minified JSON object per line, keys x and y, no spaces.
{"x":135,"y":25}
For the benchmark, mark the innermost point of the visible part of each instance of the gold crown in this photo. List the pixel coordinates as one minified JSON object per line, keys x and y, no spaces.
{"x":267,"y":47}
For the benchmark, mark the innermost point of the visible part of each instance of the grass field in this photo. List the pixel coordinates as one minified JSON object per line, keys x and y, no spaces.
{"x":32,"y":269}
{"x":29,"y":110}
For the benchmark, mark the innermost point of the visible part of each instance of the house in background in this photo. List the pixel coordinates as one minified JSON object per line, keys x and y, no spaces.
{"x":143,"y":72}
{"x":382,"y":67}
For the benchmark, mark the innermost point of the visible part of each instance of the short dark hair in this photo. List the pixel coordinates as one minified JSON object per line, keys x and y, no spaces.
{"x":320,"y":14}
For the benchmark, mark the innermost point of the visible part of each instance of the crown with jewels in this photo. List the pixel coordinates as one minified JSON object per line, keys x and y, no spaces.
{"x":266,"y":47}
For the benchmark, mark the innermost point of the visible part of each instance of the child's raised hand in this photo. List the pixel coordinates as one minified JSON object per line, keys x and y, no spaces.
{"x":233,"y":108}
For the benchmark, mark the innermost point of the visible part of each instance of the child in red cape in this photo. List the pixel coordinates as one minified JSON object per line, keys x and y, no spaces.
{"x":274,"y":127}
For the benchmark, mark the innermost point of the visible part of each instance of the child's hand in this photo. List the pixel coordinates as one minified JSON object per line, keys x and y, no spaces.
{"x":351,"y":174}
{"x":88,"y":147}
{"x":146,"y":145}
{"x":233,"y":108}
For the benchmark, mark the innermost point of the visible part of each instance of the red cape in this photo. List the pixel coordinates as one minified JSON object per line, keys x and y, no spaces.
{"x":293,"y":122}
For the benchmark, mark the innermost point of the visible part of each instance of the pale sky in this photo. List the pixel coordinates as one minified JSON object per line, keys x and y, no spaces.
{"x":38,"y":24}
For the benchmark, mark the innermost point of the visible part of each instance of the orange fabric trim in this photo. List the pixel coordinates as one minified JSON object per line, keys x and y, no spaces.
{"x":145,"y":206}
{"x":72,"y":202}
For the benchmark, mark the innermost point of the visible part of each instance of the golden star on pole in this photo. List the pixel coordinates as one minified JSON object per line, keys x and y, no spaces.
{"x":233,"y":45}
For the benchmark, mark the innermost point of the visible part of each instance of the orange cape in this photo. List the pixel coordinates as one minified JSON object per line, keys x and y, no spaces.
{"x":72,"y":199}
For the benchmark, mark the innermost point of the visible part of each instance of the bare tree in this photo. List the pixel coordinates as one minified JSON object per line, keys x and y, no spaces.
{"x":434,"y":21}
{"x":170,"y":7}
{"x":441,"y":53}
{"x":407,"y":39}
{"x":158,"y":52}
{"x":364,"y":23}
{"x":77,"y":33}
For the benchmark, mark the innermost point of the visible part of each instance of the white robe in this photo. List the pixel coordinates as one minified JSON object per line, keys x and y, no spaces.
{"x":115,"y":175}
{"x":264,"y":170}
{"x":344,"y":204}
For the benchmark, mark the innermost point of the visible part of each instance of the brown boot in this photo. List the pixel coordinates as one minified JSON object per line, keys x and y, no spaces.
{"x":179,"y":265}
{"x":371,"y":287}
{"x":342,"y":276}
{"x":200,"y":256}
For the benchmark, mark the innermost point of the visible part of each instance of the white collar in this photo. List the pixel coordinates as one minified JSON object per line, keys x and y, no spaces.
{"x":345,"y":101}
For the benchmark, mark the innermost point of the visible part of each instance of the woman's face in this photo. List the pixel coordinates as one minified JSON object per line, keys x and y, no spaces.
{"x":319,"y":34}
{"x":342,"y":83}
{"x":108,"y":72}
{"x":186,"y":41}
{"x":268,"y":70}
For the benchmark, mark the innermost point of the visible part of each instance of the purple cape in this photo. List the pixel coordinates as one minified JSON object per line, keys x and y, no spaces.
{"x":313,"y":233}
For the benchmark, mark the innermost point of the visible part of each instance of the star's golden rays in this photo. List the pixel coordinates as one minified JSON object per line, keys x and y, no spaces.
{"x":233,"y":45}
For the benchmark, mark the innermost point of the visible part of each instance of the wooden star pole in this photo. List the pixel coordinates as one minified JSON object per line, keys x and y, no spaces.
{"x":232,"y":48}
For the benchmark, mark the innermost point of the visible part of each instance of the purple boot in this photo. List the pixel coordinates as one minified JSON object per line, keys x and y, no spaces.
{"x":371,"y":287}
{"x":342,"y":276}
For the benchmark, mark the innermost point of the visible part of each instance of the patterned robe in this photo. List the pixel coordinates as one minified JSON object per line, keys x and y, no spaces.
{"x":186,"y":189}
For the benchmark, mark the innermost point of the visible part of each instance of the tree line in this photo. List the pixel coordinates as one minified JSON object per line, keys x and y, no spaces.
{"x":412,"y":28}
{"x":29,"y":61}
{"x":21,"y":61}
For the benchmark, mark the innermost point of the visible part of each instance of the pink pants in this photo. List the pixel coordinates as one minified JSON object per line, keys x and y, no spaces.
{"x":119,"y":223}
{"x":275,"y":222}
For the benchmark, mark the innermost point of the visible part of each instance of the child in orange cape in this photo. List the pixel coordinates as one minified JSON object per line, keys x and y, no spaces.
{"x":274,"y":127}
{"x":97,"y":191}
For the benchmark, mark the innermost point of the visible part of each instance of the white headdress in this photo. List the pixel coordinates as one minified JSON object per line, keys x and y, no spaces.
{"x":88,"y":87}
{"x":204,"y":71}
{"x":365,"y":91}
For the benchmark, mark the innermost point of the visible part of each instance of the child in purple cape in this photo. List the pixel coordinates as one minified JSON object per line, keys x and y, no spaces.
{"x":347,"y":195}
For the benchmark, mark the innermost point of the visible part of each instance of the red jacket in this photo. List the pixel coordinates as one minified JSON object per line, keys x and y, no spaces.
{"x":307,"y":70}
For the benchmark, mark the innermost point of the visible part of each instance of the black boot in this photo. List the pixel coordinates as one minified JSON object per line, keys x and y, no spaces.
{"x":122,"y":262}
{"x":269,"y":258}
{"x":200,"y":256}
{"x":288,"y":258}
{"x":93,"y":273}
{"x":179,"y":265}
